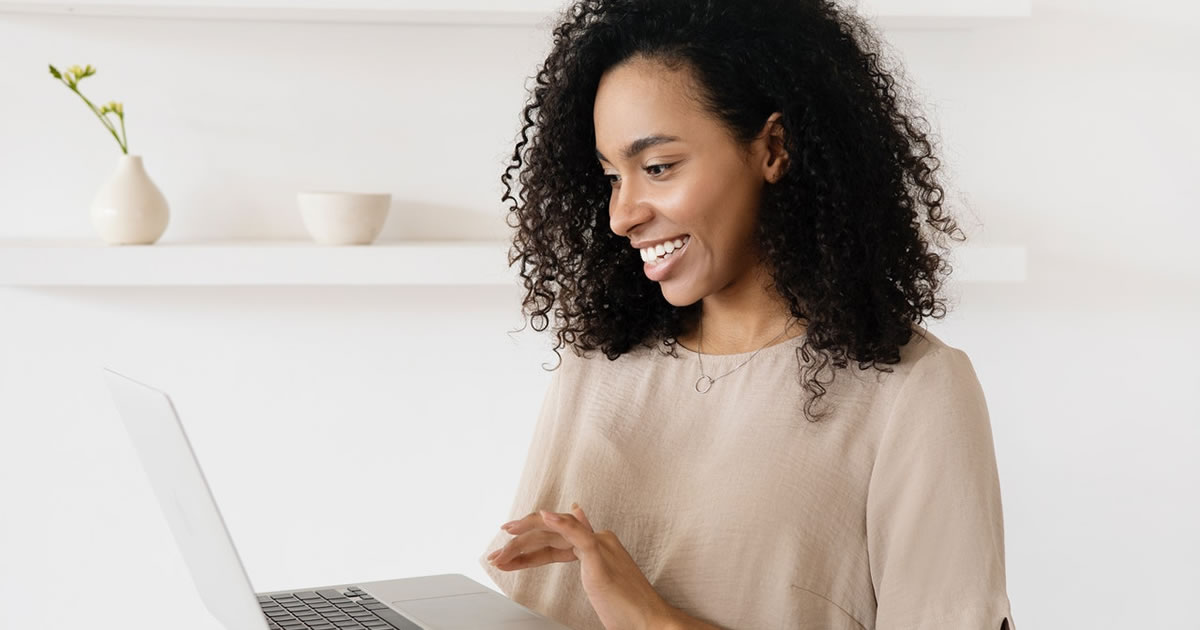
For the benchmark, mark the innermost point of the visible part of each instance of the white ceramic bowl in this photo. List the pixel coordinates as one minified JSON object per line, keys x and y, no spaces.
{"x":343,"y":218}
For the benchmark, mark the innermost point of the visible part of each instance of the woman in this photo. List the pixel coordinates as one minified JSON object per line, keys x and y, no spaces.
{"x":727,"y":200}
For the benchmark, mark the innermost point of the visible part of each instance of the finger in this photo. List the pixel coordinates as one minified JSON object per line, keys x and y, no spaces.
{"x":537,"y":558}
{"x":578,"y":512}
{"x":528,"y":541}
{"x":519,"y":526}
{"x":569,"y":527}
{"x":525,"y":523}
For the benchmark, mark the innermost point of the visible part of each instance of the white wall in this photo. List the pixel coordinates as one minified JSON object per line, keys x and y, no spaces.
{"x":1069,"y":133}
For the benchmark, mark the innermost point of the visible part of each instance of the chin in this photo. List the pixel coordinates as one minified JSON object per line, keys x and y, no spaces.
{"x":679,"y":298}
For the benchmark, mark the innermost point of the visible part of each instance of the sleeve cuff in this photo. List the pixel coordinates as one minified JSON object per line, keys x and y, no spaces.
{"x":983,"y":617}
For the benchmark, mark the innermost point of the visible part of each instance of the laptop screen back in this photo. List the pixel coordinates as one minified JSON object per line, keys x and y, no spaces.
{"x":187,"y":503}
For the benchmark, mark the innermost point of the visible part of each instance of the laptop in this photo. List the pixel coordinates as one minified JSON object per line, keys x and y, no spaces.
{"x":449,"y":601}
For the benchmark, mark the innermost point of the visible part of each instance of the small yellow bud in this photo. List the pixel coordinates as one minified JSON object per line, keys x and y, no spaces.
{"x":71,"y":76}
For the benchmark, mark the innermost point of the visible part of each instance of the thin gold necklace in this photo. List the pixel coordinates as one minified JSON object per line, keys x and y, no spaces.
{"x":708,"y":380}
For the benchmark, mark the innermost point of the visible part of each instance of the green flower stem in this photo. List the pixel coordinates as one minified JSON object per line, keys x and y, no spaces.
{"x":103,"y":120}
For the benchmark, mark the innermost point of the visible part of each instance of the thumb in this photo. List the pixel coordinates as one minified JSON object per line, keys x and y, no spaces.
{"x":572,"y":530}
{"x":578,"y":512}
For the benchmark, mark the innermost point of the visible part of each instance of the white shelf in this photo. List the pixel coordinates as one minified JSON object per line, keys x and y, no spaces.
{"x":897,"y":14}
{"x":253,"y":263}
{"x":42,"y":263}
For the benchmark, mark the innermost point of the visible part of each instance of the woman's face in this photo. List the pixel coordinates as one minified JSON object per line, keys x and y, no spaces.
{"x":677,"y":174}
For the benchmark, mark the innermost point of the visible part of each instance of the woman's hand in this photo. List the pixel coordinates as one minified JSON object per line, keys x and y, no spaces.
{"x":619,"y":593}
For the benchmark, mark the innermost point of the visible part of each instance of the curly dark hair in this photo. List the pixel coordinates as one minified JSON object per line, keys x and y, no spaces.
{"x":842,"y":231}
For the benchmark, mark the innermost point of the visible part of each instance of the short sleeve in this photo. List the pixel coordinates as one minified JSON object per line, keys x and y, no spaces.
{"x":935,"y":529}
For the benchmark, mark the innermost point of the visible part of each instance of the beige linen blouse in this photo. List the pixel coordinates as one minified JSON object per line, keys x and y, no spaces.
{"x":885,"y":515}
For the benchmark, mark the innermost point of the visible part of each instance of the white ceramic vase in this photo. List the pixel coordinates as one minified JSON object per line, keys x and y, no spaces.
{"x":129,"y":209}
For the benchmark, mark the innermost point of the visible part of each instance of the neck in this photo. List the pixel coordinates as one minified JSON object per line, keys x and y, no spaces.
{"x":733,"y":325}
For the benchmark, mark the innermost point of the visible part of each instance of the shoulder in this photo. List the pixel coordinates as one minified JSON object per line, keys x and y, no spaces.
{"x":937,"y":393}
{"x":927,"y":361}
{"x":931,"y":361}
{"x":924,"y":346}
{"x":932,"y":381}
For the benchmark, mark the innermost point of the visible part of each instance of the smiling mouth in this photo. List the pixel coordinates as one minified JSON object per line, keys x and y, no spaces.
{"x":656,"y":260}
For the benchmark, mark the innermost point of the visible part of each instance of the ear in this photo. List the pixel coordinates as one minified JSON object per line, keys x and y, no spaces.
{"x":775,"y":156}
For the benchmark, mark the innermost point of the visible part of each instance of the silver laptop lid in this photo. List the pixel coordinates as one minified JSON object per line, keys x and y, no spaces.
{"x":186,"y":501}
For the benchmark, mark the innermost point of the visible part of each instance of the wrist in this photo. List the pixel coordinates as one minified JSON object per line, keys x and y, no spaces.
{"x":675,"y":619}
{"x":668,"y":621}
{"x":665,"y":618}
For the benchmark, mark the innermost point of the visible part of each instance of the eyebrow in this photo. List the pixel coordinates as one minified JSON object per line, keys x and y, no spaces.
{"x":639,"y":145}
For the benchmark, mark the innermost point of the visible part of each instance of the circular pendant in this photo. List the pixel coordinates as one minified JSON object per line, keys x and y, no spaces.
{"x":707,"y":381}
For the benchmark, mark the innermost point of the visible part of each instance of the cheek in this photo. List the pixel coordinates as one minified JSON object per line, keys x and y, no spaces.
{"x":716,"y":213}
{"x":697,"y":206}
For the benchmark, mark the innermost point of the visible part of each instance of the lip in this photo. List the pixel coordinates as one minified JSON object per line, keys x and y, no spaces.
{"x":658,"y":272}
{"x":645,"y":244}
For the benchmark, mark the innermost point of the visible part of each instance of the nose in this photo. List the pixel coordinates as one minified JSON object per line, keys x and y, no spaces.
{"x":627,"y":208}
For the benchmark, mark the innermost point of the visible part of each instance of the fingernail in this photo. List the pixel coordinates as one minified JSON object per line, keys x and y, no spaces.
{"x":508,"y":525}
{"x":574,"y":506}
{"x":550,"y":516}
{"x":493,"y":554}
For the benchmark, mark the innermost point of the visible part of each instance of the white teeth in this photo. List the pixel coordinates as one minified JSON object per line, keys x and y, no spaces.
{"x":664,"y":249}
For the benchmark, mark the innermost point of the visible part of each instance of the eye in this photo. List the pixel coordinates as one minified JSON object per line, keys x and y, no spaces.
{"x":614,"y":179}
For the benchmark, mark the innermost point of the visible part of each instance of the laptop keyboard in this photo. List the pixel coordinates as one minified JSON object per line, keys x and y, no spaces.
{"x":330,"y":609}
